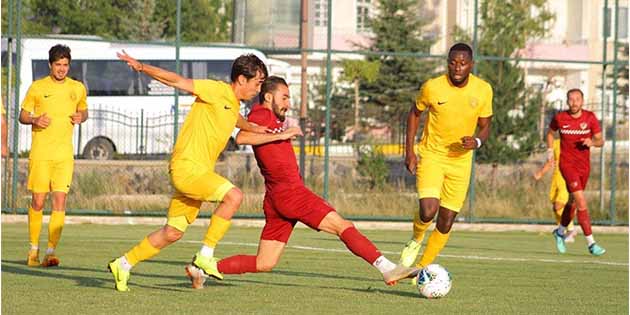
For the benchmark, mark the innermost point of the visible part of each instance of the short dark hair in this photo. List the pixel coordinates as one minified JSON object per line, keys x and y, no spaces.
{"x":461,"y":47}
{"x":248,"y":66}
{"x":575,"y":90}
{"x":57,"y":52}
{"x":270,"y":85}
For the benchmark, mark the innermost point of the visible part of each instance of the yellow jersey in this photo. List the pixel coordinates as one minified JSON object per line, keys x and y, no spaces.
{"x":209,"y":124}
{"x":453,"y":114}
{"x":58,"y":101}
{"x":556,"y":168}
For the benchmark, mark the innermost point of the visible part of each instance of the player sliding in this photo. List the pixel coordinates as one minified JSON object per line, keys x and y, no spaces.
{"x":579,"y":131}
{"x":204,"y":134}
{"x":287,"y":201}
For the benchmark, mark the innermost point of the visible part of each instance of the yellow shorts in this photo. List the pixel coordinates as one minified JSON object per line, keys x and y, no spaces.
{"x":558,"y":192}
{"x":444,"y":178}
{"x":46,"y":176}
{"x":194,"y":184}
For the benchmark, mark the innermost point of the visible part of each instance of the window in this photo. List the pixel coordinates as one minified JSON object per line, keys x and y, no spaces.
{"x":363,"y":15}
{"x":113,"y":78}
{"x":622,"y":26}
{"x":321,"y":12}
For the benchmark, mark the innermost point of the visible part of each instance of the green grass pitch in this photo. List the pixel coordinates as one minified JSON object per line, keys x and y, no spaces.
{"x":493,"y":273}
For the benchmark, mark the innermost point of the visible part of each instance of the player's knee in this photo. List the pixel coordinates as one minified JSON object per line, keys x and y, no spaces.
{"x":234,"y":196}
{"x":37,"y":204}
{"x":265,"y":266}
{"x":344,"y":225}
{"x":173,"y":235}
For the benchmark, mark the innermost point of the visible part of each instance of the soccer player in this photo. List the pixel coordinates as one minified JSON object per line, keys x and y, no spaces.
{"x":579,"y":131}
{"x":558,"y":194}
{"x":205,"y":133}
{"x":52,"y":106}
{"x":457,"y":103}
{"x":287,"y":201}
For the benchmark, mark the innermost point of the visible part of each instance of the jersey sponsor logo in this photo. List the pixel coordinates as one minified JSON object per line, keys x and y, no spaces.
{"x":583,"y":125}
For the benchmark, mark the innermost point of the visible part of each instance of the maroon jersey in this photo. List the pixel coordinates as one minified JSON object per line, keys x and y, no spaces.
{"x":572,"y":130}
{"x":276,"y":160}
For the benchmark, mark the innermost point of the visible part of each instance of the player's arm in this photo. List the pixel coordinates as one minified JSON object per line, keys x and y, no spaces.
{"x":413,"y":120}
{"x":548,"y":165}
{"x":254,"y":138}
{"x":244,"y":125}
{"x":169,"y":78}
{"x":483,"y":124}
{"x":79,"y":117}
{"x":42,"y":121}
{"x":550,"y":137}
{"x":596,"y":141}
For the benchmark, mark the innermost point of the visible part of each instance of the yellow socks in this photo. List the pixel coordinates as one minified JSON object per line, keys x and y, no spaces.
{"x":55,"y":226}
{"x":436,"y":242}
{"x":34,"y":226}
{"x":419,"y":227}
{"x":140,"y":252}
{"x":217,"y":229}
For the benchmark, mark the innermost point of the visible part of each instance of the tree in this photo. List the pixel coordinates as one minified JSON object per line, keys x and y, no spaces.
{"x":399,"y":27}
{"x":356,"y":71}
{"x":512,"y":23}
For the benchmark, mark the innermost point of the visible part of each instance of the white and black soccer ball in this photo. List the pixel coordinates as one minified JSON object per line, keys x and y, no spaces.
{"x":434,"y":281}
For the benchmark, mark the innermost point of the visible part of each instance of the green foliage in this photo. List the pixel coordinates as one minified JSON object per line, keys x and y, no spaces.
{"x":398,"y":27}
{"x":202,"y":20}
{"x":372,"y":164}
{"x":341,"y":111}
{"x":360,"y":70}
{"x":514,"y":134}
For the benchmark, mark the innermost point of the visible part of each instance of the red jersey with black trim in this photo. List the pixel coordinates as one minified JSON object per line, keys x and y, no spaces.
{"x":572,"y":132}
{"x":276,"y":160}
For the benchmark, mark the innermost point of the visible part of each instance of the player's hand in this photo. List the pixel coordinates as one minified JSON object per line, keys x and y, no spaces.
{"x":469,"y":143}
{"x":537,"y":175}
{"x":588,"y":142}
{"x":134,"y":64}
{"x":76,"y":118}
{"x":411,"y":161}
{"x":41,"y":121}
{"x":293,"y":132}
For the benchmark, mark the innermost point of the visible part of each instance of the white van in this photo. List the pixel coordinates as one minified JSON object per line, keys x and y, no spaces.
{"x":130,"y":113}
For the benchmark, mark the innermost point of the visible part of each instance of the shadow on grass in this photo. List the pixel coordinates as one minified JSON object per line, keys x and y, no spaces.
{"x":56,"y":273}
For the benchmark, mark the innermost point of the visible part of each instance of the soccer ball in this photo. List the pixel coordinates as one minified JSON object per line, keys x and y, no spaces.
{"x":434,"y":281}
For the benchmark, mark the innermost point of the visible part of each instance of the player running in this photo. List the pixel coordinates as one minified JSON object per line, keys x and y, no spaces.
{"x":52,"y":106}
{"x":458,"y":102}
{"x":205,"y":133}
{"x":579,"y":131}
{"x":287,"y":201}
{"x":558,"y":194}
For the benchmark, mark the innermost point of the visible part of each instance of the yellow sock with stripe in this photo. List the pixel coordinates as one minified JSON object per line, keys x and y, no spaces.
{"x":419,"y":227}
{"x":143,"y":251}
{"x":55,"y":226}
{"x":34,"y":226}
{"x":217,"y":229}
{"x":436,"y":242}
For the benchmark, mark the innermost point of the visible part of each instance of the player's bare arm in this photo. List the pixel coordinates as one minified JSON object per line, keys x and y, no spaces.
{"x":471,"y":143}
{"x":596,"y":141}
{"x":169,"y":78}
{"x":253,"y":138}
{"x":79,"y":117}
{"x":244,"y":125}
{"x":539,"y":174}
{"x":41,"y":121}
{"x":413,"y":120}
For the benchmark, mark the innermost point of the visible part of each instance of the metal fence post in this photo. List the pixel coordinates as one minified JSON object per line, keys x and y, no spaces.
{"x":602,"y":156}
{"x":328,"y":89}
{"x":177,"y":69}
{"x":613,"y":158}
{"x":16,"y":109}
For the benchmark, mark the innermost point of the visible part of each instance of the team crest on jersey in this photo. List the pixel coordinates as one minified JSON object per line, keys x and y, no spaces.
{"x":583,"y":125}
{"x":473,"y":102}
{"x":73,"y":96}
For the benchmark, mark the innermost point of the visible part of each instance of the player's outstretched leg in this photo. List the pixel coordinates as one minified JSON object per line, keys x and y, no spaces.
{"x":585,"y":222}
{"x":121,"y":266}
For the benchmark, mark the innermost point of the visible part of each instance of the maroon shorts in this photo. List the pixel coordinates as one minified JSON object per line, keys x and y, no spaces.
{"x":286,"y":207}
{"x":575,"y":177}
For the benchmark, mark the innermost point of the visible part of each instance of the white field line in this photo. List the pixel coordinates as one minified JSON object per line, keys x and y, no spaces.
{"x":464,"y":257}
